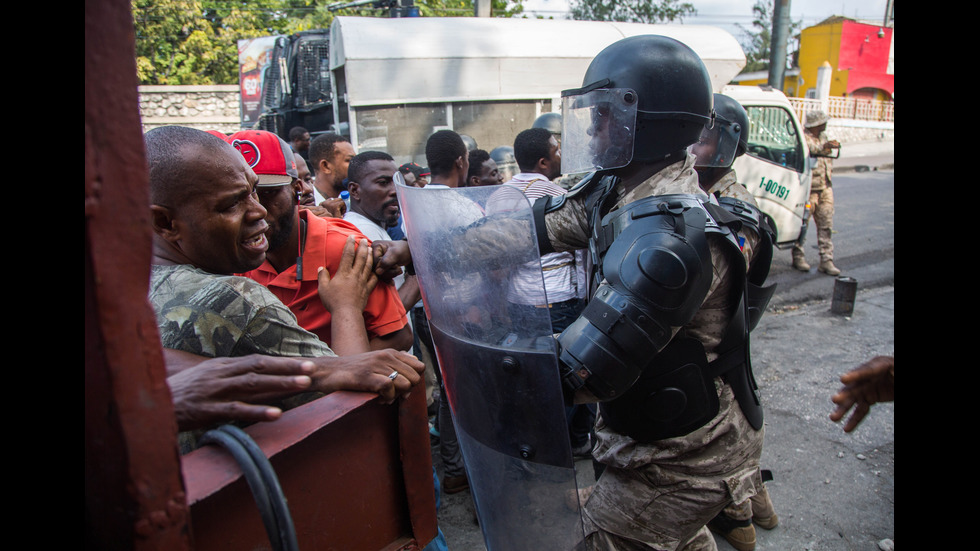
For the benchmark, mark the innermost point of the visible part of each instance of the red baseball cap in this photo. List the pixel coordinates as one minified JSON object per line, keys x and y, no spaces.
{"x":416,"y":169}
{"x":269,"y":156}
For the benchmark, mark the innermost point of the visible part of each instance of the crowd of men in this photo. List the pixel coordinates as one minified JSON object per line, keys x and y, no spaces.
{"x":280,"y":274}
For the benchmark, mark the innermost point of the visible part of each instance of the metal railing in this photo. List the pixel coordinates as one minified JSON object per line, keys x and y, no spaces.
{"x":847,"y":108}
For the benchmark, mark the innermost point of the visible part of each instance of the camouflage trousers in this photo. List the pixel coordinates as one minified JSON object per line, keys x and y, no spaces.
{"x":822,"y":205}
{"x":660,"y":495}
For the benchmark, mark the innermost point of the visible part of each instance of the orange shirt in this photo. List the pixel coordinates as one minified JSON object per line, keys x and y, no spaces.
{"x":325,"y":239}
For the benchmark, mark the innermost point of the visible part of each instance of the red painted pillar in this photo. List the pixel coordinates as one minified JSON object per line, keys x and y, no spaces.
{"x":134,"y":495}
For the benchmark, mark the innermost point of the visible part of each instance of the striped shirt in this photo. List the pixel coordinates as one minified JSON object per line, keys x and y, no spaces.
{"x":564,"y":273}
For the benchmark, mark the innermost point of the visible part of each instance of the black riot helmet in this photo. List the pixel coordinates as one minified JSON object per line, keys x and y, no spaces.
{"x":550,"y":122}
{"x":469,"y":141}
{"x":656,"y":94}
{"x":506,"y":161}
{"x":724,"y":140}
{"x":729,"y":109}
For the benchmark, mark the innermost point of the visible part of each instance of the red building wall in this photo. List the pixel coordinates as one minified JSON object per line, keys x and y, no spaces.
{"x":865,"y":56}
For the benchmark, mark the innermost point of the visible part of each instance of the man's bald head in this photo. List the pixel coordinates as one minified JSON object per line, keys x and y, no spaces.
{"x":168,"y":152}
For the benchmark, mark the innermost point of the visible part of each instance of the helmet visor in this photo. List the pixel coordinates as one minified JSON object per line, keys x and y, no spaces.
{"x":717,"y":145}
{"x":598,"y":128}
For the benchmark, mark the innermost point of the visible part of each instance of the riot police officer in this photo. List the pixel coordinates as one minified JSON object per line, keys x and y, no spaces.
{"x":662,"y":344}
{"x":716,"y":151}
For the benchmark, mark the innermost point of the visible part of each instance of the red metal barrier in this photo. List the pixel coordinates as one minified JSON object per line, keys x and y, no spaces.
{"x":357,"y":475}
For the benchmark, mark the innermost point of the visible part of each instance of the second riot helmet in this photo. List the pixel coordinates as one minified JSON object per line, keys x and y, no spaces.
{"x":550,"y":122}
{"x":726,"y":139}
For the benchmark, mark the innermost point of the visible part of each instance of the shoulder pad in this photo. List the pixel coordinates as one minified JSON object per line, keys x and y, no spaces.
{"x":723,"y":216}
{"x":588,"y":182}
{"x":746,"y":211}
{"x":750,"y":213}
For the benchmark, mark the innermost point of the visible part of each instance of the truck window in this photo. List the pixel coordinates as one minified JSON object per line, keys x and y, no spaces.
{"x":773,"y":137}
{"x":495,"y":123}
{"x":402,"y":130}
{"x":312,"y":73}
{"x":399,"y":130}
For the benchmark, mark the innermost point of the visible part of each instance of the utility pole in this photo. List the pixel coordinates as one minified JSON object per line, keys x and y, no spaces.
{"x":481,"y":8}
{"x":403,"y":8}
{"x":889,"y":12}
{"x":777,"y":48}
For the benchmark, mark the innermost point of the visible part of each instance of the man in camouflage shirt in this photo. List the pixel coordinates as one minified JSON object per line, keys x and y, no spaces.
{"x":821,"y":193}
{"x":208,"y":224}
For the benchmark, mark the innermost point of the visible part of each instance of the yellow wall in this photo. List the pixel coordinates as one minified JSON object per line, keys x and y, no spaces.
{"x":819,"y":44}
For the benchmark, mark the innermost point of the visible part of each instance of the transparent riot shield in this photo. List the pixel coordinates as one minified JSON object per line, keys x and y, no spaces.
{"x":498,"y":362}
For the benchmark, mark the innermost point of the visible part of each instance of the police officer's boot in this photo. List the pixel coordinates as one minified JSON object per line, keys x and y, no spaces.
{"x":799,"y":262}
{"x":827,"y":267}
{"x":739,"y":533}
{"x":763,"y":512}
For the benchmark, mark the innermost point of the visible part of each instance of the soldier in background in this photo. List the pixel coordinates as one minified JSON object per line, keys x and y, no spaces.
{"x":821,"y":193}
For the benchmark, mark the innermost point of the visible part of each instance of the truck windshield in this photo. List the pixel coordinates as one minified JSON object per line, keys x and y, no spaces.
{"x":773,"y":137}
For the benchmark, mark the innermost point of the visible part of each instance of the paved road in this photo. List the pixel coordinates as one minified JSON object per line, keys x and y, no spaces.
{"x":832,"y":491}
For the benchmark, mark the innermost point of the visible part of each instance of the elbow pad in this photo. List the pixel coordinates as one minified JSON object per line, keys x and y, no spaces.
{"x":657,"y":270}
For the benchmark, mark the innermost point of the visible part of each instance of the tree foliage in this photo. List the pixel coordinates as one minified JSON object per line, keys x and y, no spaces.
{"x":758,"y":40}
{"x":196,"y":41}
{"x":640,"y":11}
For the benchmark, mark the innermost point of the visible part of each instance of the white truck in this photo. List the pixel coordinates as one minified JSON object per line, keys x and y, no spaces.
{"x":776,"y":167}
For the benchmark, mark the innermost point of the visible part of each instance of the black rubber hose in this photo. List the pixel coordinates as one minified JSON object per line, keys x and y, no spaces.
{"x":252,"y":476}
{"x":277,"y":499}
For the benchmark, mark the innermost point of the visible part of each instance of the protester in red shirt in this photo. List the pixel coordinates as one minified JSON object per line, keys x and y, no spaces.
{"x":300,"y":244}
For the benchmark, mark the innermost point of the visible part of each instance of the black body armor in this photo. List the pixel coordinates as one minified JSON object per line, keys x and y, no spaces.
{"x":652,"y":270}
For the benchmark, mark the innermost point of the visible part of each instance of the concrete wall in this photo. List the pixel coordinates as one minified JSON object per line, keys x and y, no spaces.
{"x":214,"y":107}
{"x":851,"y":131}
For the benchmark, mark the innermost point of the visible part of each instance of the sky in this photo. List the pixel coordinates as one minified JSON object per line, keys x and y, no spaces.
{"x":730,"y":14}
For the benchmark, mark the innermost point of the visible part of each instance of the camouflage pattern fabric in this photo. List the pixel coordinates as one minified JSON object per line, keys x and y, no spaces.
{"x":821,"y":198}
{"x":660,"y":495}
{"x":222,"y":316}
{"x":821,"y":175}
{"x":568,"y":228}
{"x":728,"y":186}
{"x":822,"y":205}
